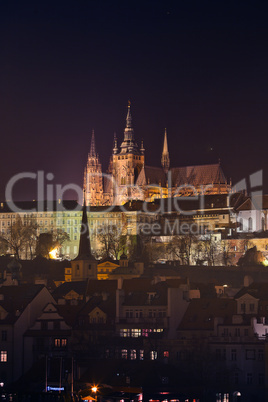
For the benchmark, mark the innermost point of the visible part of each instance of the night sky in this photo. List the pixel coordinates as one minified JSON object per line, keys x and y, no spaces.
{"x":200,"y":69}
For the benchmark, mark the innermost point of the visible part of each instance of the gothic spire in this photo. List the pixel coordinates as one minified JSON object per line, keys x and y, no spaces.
{"x":129,"y":118}
{"x":84,"y":243}
{"x":92,"y":151}
{"x":165,"y":154}
{"x":129,"y":145}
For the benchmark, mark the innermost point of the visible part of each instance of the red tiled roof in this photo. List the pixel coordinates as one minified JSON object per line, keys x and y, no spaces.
{"x":201,"y":313}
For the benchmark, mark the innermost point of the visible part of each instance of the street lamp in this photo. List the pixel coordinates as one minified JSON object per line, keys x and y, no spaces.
{"x":94,"y":389}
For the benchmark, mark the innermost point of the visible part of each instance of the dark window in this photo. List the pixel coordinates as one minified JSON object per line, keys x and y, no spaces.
{"x":250,"y":354}
{"x":237,"y":332}
{"x":233,"y":354}
{"x":218,"y":354}
{"x":44,"y":325}
{"x":260,"y":355}
{"x":236,"y":378}
{"x":249,"y":378}
{"x":4,"y":335}
{"x":56,"y":325}
{"x":3,"y":376}
{"x":261,"y":378}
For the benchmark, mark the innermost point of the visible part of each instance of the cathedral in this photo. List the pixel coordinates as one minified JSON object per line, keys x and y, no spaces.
{"x":129,"y":178}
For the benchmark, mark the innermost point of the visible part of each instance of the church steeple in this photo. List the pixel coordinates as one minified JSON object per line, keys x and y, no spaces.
{"x":92,"y":151}
{"x":84,"y":243}
{"x":165,"y":154}
{"x":84,"y":266}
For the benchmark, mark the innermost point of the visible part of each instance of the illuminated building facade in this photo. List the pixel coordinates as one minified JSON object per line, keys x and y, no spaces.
{"x":129,"y":178}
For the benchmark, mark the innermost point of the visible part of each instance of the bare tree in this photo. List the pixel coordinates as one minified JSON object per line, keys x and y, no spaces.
{"x":183,"y":247}
{"x":211,"y":250}
{"x":20,"y":236}
{"x":112,"y":242}
{"x":227,"y":255}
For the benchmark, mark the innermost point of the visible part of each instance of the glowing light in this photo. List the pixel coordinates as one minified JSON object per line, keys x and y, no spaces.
{"x":53,"y":253}
{"x":265,"y":263}
{"x":94,"y":389}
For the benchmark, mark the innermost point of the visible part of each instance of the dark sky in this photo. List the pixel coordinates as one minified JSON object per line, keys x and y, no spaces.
{"x":198,"y":68}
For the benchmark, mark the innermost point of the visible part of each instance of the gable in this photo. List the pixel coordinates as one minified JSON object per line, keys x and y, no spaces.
{"x":73,"y":295}
{"x":247,"y":298}
{"x":50,"y":308}
{"x":96,"y":314}
{"x":108,"y":264}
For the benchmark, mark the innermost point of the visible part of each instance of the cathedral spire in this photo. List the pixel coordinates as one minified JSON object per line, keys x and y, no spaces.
{"x":92,"y":151}
{"x":84,"y":243}
{"x":165,"y":154}
{"x":129,"y":118}
{"x":129,"y":145}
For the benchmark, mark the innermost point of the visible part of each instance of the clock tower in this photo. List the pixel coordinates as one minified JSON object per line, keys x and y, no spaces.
{"x":127,"y":164}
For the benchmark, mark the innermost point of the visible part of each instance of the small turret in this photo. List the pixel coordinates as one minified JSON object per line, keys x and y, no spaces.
{"x":142,"y":150}
{"x":115,"y":148}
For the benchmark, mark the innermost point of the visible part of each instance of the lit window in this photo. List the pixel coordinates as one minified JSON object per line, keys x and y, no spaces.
{"x":64,"y":342}
{"x":124,"y":332}
{"x":166,"y":353}
{"x":133,"y":354}
{"x":153,"y":355}
{"x":135,"y":333}
{"x":124,"y":353}
{"x":141,"y":354}
{"x":3,"y":356}
{"x":57,"y":342}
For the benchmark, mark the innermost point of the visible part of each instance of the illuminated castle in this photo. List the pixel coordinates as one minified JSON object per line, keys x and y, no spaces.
{"x":129,"y":178}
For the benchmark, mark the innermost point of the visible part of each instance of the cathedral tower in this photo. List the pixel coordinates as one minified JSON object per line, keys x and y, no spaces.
{"x":127,"y":163}
{"x":165,"y":162}
{"x":93,"y":186}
